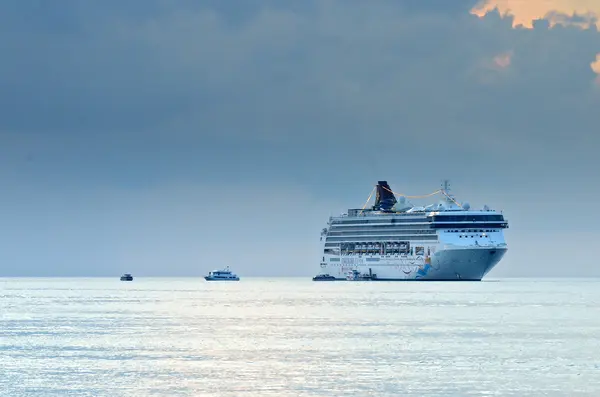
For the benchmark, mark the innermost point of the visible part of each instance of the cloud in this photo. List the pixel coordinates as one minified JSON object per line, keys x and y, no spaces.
{"x":502,"y":61}
{"x":296,"y":76}
{"x":282,"y":73}
{"x":596,"y":67}
{"x":149,"y":103}
{"x":581,"y":13}
{"x":253,"y":88}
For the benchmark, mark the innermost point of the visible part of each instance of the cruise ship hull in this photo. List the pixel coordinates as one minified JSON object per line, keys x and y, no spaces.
{"x":460,"y":264}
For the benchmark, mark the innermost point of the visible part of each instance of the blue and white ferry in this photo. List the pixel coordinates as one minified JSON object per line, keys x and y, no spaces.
{"x":222,"y":275}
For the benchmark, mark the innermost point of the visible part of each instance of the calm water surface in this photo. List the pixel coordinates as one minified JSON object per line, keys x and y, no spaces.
{"x":295,"y":337}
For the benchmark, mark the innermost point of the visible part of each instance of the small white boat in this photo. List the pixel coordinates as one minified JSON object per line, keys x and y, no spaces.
{"x":222,"y":275}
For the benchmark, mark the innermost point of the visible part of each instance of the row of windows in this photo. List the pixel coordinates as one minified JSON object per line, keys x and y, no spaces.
{"x":372,"y":247}
{"x":502,"y":225}
{"x":347,"y":221}
{"x":471,"y":231}
{"x":350,"y":266}
{"x":390,"y":236}
{"x":377,"y":244}
{"x":367,"y":259}
{"x":380,"y":227}
{"x":436,"y":218}
{"x":367,"y":239}
{"x":467,"y":218}
{"x":419,"y":251}
{"x":381,"y":232}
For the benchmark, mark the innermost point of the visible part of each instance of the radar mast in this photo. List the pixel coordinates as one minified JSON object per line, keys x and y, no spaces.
{"x":446,"y":192}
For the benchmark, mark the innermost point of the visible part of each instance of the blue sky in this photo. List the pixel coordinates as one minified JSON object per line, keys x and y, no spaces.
{"x":171,"y":137}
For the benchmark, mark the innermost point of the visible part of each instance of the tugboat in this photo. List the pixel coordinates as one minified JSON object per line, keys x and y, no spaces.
{"x":323,"y":277}
{"x":127,"y":277}
{"x":222,"y":275}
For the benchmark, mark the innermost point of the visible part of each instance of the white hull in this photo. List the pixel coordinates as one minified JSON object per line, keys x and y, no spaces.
{"x":457,"y":263}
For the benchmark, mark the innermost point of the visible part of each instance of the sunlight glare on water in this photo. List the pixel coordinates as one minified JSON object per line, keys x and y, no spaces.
{"x":295,"y":337}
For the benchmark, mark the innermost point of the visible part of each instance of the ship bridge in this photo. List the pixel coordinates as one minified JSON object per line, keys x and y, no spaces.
{"x":440,"y":220}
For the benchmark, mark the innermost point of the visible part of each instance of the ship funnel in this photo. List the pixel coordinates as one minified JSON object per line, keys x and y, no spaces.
{"x":385,"y":199}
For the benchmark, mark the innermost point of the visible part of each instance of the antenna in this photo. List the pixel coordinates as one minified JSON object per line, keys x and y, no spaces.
{"x":446,"y":191}
{"x":446,"y":186}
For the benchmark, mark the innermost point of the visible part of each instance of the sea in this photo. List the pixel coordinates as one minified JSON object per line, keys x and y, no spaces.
{"x":295,"y":337}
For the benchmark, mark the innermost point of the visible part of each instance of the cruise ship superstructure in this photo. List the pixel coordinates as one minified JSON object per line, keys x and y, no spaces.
{"x":395,"y":240}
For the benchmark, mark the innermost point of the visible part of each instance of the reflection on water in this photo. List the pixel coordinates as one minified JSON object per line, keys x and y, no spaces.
{"x":294,"y":337}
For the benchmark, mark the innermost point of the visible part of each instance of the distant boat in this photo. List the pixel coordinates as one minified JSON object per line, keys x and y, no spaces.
{"x":222,"y":275}
{"x":323,"y":277}
{"x":127,"y":277}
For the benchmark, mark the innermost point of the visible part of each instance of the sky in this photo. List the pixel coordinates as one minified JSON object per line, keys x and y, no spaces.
{"x":168,"y":138}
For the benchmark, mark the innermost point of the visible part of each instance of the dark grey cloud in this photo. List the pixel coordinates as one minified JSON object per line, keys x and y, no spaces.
{"x":106,"y":105}
{"x":343,"y":66}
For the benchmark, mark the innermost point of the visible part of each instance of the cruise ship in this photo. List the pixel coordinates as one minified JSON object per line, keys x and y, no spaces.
{"x":395,"y":240}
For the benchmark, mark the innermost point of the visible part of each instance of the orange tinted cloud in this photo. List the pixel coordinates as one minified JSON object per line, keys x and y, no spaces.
{"x":525,"y":12}
{"x":596,"y":65}
{"x":596,"y":68}
{"x":489,"y":71}
{"x":502,"y":61}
